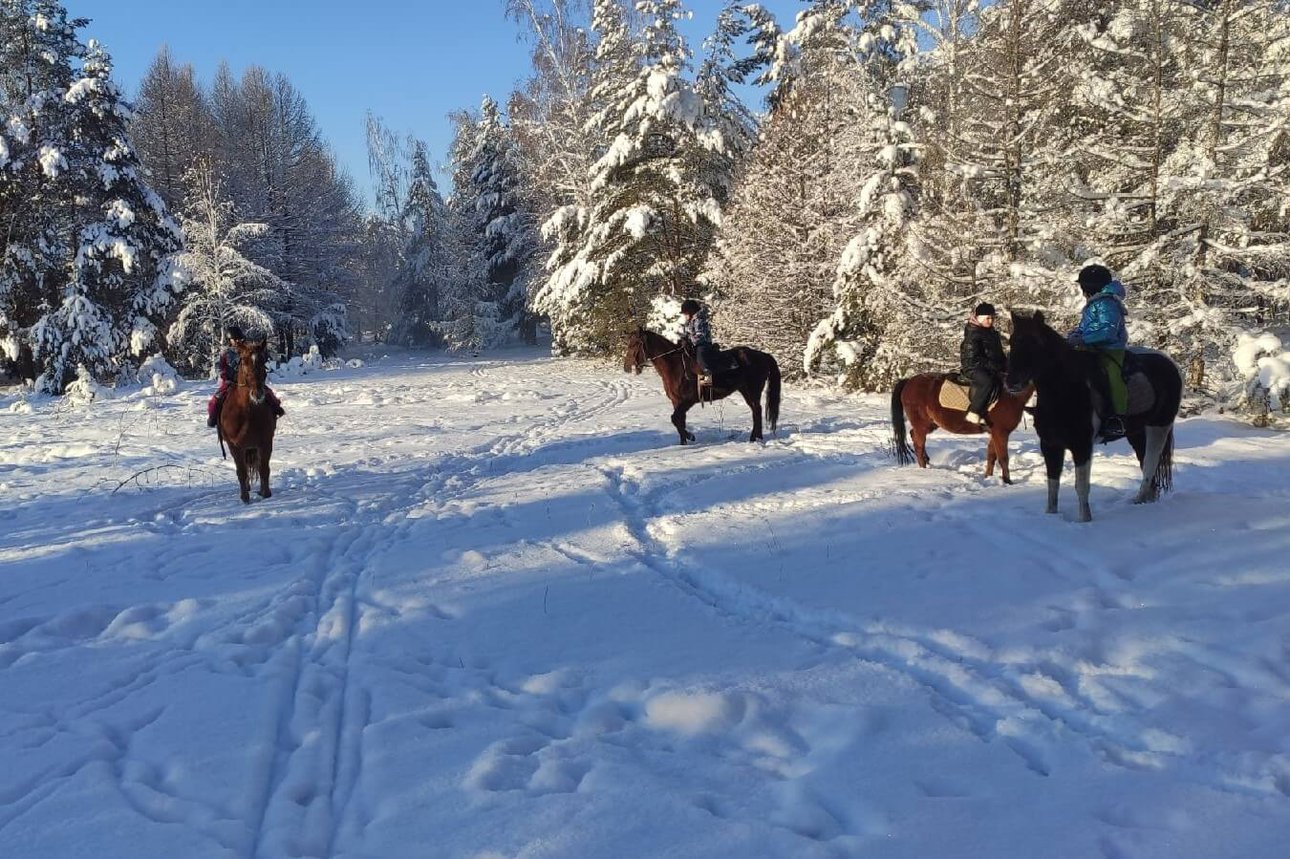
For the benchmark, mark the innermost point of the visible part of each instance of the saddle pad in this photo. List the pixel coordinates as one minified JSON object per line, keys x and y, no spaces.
{"x":955,"y":396}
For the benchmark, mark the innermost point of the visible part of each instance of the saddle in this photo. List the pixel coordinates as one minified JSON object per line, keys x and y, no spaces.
{"x":956,"y":394}
{"x":725,"y":364}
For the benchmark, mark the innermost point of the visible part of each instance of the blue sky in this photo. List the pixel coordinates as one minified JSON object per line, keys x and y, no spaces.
{"x":409,"y":61}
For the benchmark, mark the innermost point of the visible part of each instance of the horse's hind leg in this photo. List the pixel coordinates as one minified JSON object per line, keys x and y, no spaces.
{"x":753,"y":398}
{"x":918,"y":430}
{"x":998,"y":450}
{"x":1148,"y":490}
{"x":678,"y":421}
{"x":265,"y":492}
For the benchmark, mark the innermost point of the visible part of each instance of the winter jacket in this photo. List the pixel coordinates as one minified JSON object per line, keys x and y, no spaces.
{"x":697,"y":330}
{"x":228,"y":361}
{"x":1102,"y":324}
{"x":982,"y":349}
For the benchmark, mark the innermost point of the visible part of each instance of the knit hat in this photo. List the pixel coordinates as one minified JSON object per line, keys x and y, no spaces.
{"x":985,"y":308}
{"x":235,"y":333}
{"x":690,"y":306}
{"x":1092,"y":278}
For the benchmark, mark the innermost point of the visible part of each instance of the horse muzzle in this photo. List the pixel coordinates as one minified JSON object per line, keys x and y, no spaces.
{"x":256,"y":398}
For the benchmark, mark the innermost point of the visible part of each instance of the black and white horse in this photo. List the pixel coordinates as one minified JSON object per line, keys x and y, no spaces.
{"x":1065,"y":417}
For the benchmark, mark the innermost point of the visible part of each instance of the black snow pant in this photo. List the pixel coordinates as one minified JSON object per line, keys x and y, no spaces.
{"x":982,"y":387}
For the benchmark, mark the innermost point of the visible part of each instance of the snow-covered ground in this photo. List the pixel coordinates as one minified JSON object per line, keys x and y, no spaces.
{"x":493,"y":610}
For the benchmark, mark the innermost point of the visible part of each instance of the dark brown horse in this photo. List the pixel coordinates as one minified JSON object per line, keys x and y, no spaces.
{"x":247,"y":421}
{"x":675,"y":364}
{"x":1066,"y":416}
{"x":919,"y":399}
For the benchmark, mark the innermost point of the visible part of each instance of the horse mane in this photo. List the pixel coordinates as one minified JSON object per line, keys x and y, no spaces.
{"x":1068,"y":357}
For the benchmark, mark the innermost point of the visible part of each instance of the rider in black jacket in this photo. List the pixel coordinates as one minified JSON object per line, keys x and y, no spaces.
{"x":982,"y":360}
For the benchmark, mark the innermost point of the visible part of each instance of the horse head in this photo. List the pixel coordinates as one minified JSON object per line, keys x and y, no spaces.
{"x":1030,"y":351}
{"x":635,"y":359}
{"x":252,"y":368}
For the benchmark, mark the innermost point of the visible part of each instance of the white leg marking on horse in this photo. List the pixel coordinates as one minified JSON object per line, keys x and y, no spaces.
{"x":1156,"y":438}
{"x":1082,"y":473}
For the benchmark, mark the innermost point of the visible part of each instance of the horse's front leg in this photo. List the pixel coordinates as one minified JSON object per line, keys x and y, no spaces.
{"x":243,"y":474}
{"x":1053,"y":456}
{"x":678,"y":421}
{"x":1083,"y":469}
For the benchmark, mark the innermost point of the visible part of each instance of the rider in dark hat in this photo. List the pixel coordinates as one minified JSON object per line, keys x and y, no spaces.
{"x":1102,"y":330}
{"x":228,"y":361}
{"x":699,"y":334}
{"x":981,"y":360}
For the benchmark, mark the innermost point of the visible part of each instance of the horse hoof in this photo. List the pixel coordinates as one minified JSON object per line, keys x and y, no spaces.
{"x":1051,"y":511}
{"x":246,"y":498}
{"x":265,"y":494}
{"x":1007,"y":481}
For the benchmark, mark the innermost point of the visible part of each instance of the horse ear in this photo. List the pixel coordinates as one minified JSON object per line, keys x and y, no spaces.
{"x":1039,"y":317}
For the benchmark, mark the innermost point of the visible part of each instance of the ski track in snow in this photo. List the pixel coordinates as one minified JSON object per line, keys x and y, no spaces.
{"x":484,"y":585}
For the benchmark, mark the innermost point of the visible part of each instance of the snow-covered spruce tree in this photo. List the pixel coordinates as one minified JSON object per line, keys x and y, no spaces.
{"x":792,"y":210}
{"x":654,"y":208}
{"x":549,"y":116}
{"x":877,"y":329}
{"x":221,"y":286}
{"x":86,"y":256}
{"x":498,"y":234}
{"x":427,"y":259}
{"x":568,"y":293}
{"x":38,"y":47}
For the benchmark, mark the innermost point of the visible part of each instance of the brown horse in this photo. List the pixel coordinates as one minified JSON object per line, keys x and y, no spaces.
{"x":675,"y":364}
{"x":919,"y":399}
{"x":247,"y":421}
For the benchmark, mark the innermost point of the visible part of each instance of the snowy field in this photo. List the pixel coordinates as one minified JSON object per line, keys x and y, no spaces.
{"x":493,"y":610}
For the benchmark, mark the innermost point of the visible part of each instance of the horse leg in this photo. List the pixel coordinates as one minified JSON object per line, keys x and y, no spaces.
{"x":1156,"y":438}
{"x":999,"y":451}
{"x":678,"y":421}
{"x":243,"y":476}
{"x":265,"y":492}
{"x":990,"y":457}
{"x":753,"y":399}
{"x":1053,"y":456}
{"x":1083,"y":470}
{"x":919,"y":427}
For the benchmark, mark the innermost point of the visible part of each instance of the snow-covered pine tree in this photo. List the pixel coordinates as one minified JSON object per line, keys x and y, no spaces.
{"x":877,"y":329}
{"x":654,"y":208}
{"x":792,"y":211}
{"x":221,"y":286}
{"x":427,"y":273}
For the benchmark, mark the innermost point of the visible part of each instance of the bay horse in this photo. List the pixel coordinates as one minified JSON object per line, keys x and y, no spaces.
{"x":676,"y":365}
{"x":247,"y":421}
{"x":1065,"y":417}
{"x":918,"y":398}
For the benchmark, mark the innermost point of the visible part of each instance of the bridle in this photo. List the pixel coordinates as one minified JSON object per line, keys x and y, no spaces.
{"x":257,"y":399}
{"x":644,"y":350}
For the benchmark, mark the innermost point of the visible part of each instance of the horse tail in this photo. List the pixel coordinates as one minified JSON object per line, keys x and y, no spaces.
{"x":253,"y":459}
{"x":772,"y":394}
{"x":1164,"y":476}
{"x":899,"y":442}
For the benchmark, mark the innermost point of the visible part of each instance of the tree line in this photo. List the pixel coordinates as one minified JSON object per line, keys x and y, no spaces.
{"x":840,"y":188}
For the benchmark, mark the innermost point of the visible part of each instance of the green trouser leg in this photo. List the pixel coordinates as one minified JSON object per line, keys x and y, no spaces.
{"x":1113,"y":364}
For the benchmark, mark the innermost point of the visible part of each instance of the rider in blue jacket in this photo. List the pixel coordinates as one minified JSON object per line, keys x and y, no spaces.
{"x":1102,"y":330}
{"x":699,"y":335}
